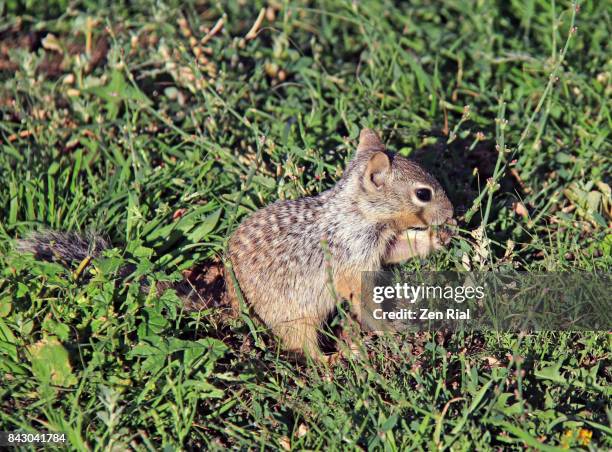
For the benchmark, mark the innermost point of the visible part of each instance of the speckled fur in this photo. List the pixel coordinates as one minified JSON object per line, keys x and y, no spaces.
{"x":278,"y":260}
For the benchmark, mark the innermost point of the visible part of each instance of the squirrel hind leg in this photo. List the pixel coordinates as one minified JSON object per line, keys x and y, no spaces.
{"x":300,"y":337}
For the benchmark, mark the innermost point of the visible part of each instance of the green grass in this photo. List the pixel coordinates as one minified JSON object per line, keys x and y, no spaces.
{"x":114,"y":126}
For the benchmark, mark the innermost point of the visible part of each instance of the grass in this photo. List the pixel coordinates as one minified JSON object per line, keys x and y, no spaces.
{"x":118,"y":119}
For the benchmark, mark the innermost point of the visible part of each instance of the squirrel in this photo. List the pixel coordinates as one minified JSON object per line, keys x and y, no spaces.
{"x":380,"y":212}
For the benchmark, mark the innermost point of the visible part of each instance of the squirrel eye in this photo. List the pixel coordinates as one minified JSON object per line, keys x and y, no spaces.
{"x":423,"y":194}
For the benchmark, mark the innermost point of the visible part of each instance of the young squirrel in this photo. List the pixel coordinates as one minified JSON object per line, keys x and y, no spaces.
{"x":380,"y":212}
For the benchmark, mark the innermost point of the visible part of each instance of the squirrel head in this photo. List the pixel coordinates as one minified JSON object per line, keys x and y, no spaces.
{"x":394,"y":190}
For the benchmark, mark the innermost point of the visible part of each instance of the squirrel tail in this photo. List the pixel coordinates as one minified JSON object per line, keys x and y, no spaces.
{"x":62,"y":247}
{"x":70,"y":248}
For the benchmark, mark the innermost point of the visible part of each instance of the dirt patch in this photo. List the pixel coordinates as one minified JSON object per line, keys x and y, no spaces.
{"x":207,"y":288}
{"x":57,"y":59}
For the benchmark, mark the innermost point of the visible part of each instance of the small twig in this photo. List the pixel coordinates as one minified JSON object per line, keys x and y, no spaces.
{"x":438,"y":429}
{"x":214,"y":30}
{"x":497,"y":172}
{"x":252,"y":34}
{"x":84,"y":263}
{"x":89,"y":26}
{"x":453,"y":134}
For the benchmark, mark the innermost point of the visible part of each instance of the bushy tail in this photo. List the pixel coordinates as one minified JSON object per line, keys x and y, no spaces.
{"x":71,"y":248}
{"x":63,"y":247}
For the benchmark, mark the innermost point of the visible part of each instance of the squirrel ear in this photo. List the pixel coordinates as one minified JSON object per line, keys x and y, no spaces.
{"x":377,"y":170}
{"x":369,"y":141}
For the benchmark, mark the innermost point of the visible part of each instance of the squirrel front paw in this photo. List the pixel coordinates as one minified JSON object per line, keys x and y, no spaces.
{"x":418,"y":243}
{"x":423,"y":242}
